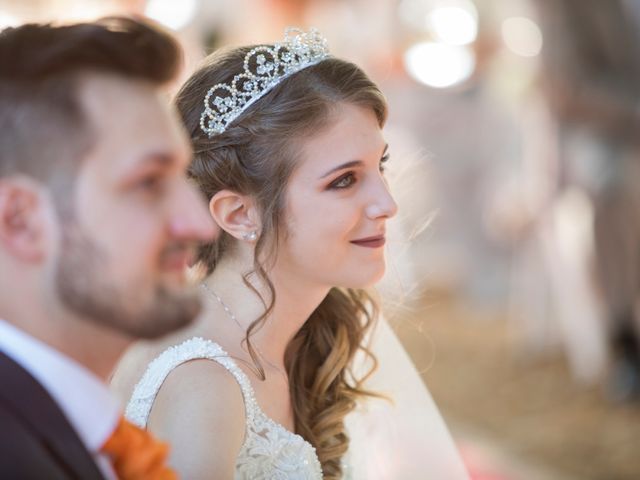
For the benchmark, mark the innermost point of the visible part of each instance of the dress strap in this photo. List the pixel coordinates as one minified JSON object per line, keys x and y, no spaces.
{"x":145,"y":392}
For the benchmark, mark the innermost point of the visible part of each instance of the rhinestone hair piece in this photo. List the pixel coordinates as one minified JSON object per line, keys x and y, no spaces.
{"x":264,"y":68}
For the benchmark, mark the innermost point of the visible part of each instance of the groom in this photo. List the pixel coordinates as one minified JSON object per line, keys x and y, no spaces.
{"x":97,"y":224}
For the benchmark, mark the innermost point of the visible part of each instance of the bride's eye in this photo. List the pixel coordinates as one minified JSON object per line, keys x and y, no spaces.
{"x":345,"y":181}
{"x":383,"y":160}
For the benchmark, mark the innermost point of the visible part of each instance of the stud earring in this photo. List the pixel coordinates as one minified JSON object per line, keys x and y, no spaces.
{"x":250,"y":236}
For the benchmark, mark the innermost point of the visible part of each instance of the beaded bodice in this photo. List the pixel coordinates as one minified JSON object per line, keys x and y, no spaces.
{"x":269,"y":451}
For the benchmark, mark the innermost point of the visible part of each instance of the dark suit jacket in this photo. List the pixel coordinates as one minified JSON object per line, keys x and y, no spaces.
{"x":36,"y":439}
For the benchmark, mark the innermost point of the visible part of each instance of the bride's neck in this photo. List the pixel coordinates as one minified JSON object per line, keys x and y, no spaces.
{"x":295,"y":301}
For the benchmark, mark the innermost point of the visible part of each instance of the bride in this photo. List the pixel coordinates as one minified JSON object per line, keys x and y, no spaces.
{"x":290,"y":154}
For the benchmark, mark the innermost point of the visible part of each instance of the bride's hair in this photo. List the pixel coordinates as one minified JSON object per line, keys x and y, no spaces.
{"x":256,"y":155}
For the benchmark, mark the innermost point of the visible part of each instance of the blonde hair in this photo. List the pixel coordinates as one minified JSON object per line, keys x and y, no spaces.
{"x":256,"y":155}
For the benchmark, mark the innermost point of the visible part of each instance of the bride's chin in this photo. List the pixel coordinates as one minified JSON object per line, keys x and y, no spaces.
{"x":365,"y":281}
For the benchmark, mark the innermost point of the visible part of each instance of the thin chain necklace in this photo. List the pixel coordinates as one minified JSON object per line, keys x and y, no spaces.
{"x":233,"y":317}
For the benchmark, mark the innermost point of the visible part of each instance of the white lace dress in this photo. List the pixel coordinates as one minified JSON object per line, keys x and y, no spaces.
{"x":269,"y":451}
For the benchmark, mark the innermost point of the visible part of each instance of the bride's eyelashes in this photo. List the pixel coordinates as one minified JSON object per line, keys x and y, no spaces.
{"x":383,"y":160}
{"x":348,"y":179}
{"x":344,"y":181}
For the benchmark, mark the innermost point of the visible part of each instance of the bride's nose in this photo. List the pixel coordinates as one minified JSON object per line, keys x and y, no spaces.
{"x":381,"y":203}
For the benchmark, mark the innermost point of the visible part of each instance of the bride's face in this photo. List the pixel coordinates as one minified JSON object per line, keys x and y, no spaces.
{"x":337,"y":205}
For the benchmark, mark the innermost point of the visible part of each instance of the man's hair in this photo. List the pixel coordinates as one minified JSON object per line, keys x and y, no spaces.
{"x":43,"y":129}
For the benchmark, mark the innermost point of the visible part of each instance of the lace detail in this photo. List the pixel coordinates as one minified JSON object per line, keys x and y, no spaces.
{"x":269,"y":451}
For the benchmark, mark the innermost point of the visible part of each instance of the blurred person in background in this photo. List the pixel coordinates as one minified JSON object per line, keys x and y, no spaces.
{"x":97,"y":225}
{"x":591,"y":75}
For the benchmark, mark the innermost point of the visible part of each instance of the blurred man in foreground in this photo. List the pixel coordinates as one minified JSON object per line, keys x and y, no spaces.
{"x":97,"y":225}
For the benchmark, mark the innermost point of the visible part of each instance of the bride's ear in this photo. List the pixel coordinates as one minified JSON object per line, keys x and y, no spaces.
{"x":236,"y":214}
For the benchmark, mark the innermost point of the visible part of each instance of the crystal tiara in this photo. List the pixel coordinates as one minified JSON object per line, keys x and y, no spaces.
{"x":264,"y":68}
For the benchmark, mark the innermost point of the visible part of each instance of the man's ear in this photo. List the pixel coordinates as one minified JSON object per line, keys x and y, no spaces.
{"x":22,"y":220}
{"x":235,"y":214}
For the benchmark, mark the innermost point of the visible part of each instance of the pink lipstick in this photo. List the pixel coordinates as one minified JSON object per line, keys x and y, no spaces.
{"x":370,"y":242}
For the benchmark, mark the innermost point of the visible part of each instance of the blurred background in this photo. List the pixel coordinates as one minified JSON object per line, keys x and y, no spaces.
{"x":514,"y":277}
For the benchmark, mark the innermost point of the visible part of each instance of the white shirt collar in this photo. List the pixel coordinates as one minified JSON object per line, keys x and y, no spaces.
{"x":85,"y":400}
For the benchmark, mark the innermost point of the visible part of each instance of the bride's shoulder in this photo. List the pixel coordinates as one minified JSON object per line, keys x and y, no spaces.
{"x":205,"y":386}
{"x":197,"y":371}
{"x":198,"y":400}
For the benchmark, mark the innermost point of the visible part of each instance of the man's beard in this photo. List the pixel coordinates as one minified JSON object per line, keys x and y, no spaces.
{"x":82,"y":287}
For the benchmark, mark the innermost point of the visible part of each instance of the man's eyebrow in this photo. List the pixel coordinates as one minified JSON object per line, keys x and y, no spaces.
{"x":157,"y":157}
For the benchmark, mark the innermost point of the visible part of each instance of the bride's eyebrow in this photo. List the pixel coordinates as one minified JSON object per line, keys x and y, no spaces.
{"x":352,"y":163}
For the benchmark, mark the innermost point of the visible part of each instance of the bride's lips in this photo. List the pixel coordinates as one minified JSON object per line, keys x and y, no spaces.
{"x":370,"y":242}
